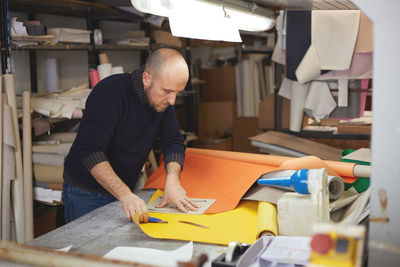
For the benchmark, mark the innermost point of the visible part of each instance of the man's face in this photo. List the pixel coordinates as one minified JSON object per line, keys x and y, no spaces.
{"x":161,"y":91}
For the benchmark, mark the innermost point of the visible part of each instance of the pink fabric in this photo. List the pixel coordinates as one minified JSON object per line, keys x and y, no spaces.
{"x":360,"y":68}
{"x":363,"y":100}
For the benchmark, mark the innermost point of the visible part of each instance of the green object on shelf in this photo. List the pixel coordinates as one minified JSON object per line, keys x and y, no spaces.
{"x":362,"y":183}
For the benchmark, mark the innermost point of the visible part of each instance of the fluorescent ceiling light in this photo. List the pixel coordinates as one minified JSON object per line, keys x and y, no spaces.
{"x":210,"y":20}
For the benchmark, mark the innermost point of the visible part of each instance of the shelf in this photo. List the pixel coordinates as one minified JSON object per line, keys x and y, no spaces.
{"x":328,"y":135}
{"x":121,"y":47}
{"x":79,"y":47}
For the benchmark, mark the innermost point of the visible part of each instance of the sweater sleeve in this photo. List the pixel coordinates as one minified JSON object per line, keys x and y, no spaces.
{"x":171,"y":138}
{"x":101,"y":116}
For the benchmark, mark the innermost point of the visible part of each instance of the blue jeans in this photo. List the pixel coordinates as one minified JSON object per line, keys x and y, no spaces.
{"x":78,"y":202}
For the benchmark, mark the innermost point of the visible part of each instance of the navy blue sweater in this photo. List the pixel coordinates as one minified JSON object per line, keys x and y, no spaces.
{"x":119,"y":126}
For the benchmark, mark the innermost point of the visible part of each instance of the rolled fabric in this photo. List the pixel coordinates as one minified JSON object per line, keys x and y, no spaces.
{"x":104,"y":70}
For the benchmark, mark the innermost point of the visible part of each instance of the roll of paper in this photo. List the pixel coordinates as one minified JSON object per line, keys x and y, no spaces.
{"x":103,"y":58}
{"x":98,"y":37}
{"x":335,"y":186}
{"x":267,"y":219}
{"x":104,"y":70}
{"x":52,"y":76}
{"x":94,"y":77}
{"x":117,"y":69}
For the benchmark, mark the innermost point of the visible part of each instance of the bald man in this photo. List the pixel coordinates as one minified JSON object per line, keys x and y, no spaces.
{"x":123,"y":115}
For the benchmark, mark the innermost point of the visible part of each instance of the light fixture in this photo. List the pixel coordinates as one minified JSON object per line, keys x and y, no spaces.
{"x":211,"y":20}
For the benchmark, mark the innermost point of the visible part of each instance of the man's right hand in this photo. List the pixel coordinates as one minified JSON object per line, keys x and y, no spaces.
{"x":131,"y":204}
{"x":105,"y":175}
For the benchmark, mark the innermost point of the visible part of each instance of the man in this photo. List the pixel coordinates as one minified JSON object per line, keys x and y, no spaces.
{"x":124,"y":113}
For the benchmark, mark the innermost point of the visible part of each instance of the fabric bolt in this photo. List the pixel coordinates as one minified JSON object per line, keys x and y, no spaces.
{"x":120,"y":126}
{"x":298,"y":39}
{"x":319,"y":102}
{"x":365,"y":36}
{"x":48,"y":159}
{"x":278,"y":55}
{"x":58,"y":149}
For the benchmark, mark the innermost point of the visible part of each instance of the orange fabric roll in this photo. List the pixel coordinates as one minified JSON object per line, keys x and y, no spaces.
{"x":226,"y":176}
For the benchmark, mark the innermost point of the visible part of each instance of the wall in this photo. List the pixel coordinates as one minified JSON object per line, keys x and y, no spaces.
{"x":73,"y":65}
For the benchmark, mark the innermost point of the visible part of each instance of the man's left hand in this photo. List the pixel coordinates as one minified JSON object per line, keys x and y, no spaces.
{"x":175,"y":194}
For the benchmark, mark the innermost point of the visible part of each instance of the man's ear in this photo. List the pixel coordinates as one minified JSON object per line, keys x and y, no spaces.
{"x":146,"y":79}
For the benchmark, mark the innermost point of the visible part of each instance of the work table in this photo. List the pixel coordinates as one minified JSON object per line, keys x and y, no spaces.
{"x":105,"y":228}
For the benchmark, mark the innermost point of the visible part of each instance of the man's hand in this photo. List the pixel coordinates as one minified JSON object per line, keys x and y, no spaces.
{"x":105,"y":175}
{"x":174,"y":191}
{"x":132,"y":204}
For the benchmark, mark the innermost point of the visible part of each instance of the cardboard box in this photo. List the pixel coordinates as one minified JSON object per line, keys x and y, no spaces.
{"x":163,"y":37}
{"x":216,"y":118}
{"x":266,"y":113}
{"x":244,"y":128}
{"x":215,"y":143}
{"x":220,"y":84}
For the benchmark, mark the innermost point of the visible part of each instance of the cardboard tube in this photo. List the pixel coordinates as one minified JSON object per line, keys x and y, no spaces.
{"x":104,"y":70}
{"x":362,"y":171}
{"x":18,"y":184}
{"x":267,"y":219}
{"x":103,"y":58}
{"x":27,"y":158}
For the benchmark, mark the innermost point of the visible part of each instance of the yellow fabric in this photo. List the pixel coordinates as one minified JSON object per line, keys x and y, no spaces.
{"x":239,"y":224}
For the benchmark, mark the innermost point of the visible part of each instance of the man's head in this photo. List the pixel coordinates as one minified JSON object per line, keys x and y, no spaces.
{"x":166,"y":74}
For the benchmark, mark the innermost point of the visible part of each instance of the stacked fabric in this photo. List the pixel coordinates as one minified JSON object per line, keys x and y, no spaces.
{"x":48,"y":165}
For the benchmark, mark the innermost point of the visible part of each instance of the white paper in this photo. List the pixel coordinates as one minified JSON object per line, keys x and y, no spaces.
{"x":343,"y":98}
{"x":152,"y":256}
{"x":279,"y":55}
{"x":104,"y":70}
{"x":309,"y":67}
{"x":334,"y":34}
{"x":286,"y":88}
{"x":285,"y":249}
{"x":319,"y":102}
{"x":66,"y":249}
